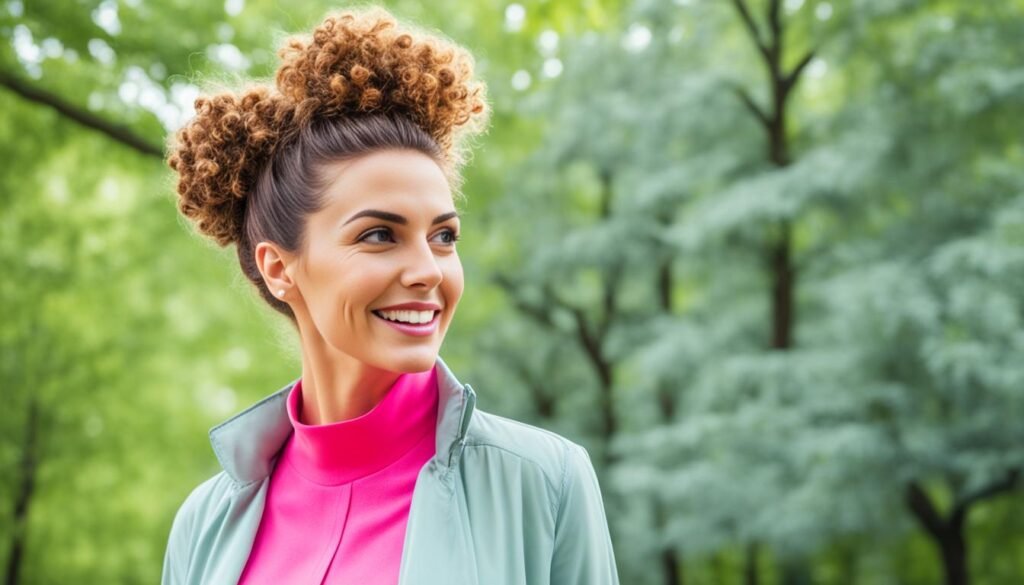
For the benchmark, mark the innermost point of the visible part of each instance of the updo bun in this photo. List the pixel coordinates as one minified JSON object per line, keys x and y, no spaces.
{"x":220,"y":154}
{"x":366,"y":62}
{"x":355,"y":64}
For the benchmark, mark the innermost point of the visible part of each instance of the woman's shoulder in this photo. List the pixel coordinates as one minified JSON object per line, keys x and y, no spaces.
{"x":205,"y":501}
{"x":551,"y":452}
{"x":510,"y":454}
{"x":205,"y":498}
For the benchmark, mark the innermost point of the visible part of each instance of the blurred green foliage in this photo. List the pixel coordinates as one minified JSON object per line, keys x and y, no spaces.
{"x":764,"y":258}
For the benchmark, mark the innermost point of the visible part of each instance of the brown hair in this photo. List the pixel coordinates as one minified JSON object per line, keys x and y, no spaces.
{"x":251,"y":164}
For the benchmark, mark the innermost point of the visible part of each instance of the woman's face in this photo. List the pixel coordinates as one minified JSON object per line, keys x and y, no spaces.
{"x":384,"y":239}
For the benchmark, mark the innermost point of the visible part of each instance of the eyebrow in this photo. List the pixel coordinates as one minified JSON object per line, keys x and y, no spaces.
{"x":395,"y":218}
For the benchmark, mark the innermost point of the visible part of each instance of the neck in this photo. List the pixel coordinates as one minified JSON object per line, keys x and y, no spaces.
{"x":338,"y":387}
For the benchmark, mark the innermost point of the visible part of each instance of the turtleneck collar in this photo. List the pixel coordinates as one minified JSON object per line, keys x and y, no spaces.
{"x":341,"y":452}
{"x":248,"y":442}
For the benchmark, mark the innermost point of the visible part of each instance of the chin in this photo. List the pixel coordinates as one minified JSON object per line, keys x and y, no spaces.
{"x":409,"y":362}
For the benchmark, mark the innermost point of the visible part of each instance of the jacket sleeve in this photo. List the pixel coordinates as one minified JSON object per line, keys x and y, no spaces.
{"x":176,"y":556}
{"x":582,"y":544}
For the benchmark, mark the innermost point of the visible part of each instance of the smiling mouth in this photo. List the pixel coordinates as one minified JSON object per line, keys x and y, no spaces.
{"x":409,"y":318}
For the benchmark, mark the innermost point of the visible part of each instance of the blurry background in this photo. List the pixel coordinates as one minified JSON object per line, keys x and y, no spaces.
{"x":763,"y":258}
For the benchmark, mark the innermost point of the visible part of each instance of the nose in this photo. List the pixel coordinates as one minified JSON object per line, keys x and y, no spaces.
{"x":421,"y":268}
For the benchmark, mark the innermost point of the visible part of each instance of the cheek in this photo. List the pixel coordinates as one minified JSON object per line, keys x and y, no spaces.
{"x":358,"y":287}
{"x":454,"y":280}
{"x":350,"y":288}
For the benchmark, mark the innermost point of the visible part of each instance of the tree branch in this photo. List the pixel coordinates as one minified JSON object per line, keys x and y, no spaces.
{"x":755,"y":32}
{"x":775,"y":30}
{"x":119,"y":133}
{"x":537,"y":313}
{"x":751,"y":105}
{"x":582,"y":324}
{"x":791,"y":78}
{"x":1007,"y":483}
{"x":542,"y":400}
{"x":923,"y":508}
{"x":542,"y":314}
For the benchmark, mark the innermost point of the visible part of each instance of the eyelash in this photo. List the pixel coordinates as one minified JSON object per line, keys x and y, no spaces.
{"x":454,"y":235}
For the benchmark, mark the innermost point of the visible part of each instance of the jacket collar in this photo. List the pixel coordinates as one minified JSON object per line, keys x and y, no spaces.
{"x":247,"y":443}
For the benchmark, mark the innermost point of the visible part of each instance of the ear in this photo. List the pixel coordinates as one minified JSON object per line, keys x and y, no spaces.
{"x":276,"y":266}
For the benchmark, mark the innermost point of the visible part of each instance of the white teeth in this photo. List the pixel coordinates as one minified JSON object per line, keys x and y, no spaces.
{"x":415,"y":317}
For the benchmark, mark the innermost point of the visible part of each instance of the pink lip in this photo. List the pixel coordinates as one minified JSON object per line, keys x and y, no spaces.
{"x":419,"y":329}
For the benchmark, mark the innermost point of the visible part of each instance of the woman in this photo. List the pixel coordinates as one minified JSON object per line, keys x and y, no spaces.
{"x":374,"y":466}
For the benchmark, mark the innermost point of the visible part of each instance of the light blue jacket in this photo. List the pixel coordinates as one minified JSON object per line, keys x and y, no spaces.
{"x":501,"y":502}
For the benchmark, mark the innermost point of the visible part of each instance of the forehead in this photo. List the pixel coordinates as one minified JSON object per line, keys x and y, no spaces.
{"x":387,"y":180}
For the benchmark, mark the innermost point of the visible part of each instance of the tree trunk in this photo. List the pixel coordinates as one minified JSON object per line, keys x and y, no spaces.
{"x":669,"y":557}
{"x":847,"y":552}
{"x":783,"y":286}
{"x":593,"y":336}
{"x":796,"y":572}
{"x":777,"y":253}
{"x":670,"y":565}
{"x":954,"y":556}
{"x":23,"y":495}
{"x":750,"y":574}
{"x":946,"y":533}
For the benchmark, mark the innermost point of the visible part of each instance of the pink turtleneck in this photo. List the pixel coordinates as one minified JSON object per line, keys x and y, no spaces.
{"x":339,"y":495}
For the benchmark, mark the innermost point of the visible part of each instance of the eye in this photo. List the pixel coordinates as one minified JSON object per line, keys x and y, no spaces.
{"x":452,"y":236}
{"x":369,"y":236}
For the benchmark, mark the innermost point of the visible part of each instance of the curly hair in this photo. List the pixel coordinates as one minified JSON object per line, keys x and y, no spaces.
{"x":251,"y":163}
